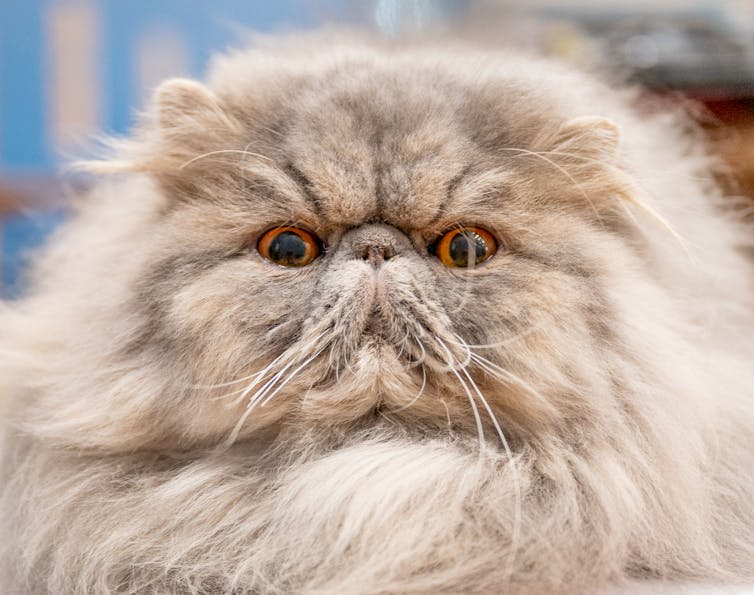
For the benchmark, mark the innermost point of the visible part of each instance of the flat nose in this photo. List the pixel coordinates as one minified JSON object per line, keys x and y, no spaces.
{"x":376,"y":254}
{"x":375,"y":243}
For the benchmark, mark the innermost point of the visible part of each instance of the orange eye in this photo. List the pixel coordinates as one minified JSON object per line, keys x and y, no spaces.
{"x":289,"y":246}
{"x":464,"y":247}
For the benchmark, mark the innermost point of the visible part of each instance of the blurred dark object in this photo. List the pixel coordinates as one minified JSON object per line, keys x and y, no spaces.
{"x":697,"y":51}
{"x":735,"y":118}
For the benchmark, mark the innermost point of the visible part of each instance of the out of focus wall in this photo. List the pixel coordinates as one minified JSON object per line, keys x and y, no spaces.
{"x":72,"y":68}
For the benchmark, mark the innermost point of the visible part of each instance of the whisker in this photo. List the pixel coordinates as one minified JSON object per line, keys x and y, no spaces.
{"x":224,"y":151}
{"x":515,"y":533}
{"x":475,"y":410}
{"x":256,"y":377}
{"x":466,"y":361}
{"x":664,"y":223}
{"x":306,"y":394}
{"x":233,"y":436}
{"x":271,"y":382}
{"x":260,"y":376}
{"x":244,"y":379}
{"x":224,"y":384}
{"x":466,"y":348}
{"x":404,"y":342}
{"x":447,"y":414}
{"x":503,"y":374}
{"x":288,"y":379}
{"x":422,"y":357}
{"x":267,"y":386}
{"x":331,"y":363}
{"x":467,"y":283}
{"x":268,"y":383}
{"x":419,"y":394}
{"x":230,"y":394}
{"x":526,"y":332}
{"x":562,"y":170}
{"x":242,"y":392}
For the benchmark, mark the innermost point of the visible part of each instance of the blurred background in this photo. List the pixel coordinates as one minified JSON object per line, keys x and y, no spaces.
{"x":72,"y":68}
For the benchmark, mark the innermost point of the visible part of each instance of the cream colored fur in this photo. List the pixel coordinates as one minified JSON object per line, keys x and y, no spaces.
{"x":576,"y":412}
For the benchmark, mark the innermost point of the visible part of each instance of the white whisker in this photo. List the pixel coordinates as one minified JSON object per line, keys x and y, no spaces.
{"x":447,"y":414}
{"x":403,"y":344}
{"x":230,"y":394}
{"x":271,"y":382}
{"x":331,"y":363}
{"x":224,"y":384}
{"x":419,"y":394}
{"x":526,"y":332}
{"x":562,"y":170}
{"x":467,"y":359}
{"x":452,"y":361}
{"x":422,"y":357}
{"x":306,"y":394}
{"x":504,"y":374}
{"x":233,"y":151}
{"x":515,"y":533}
{"x":475,"y":410}
{"x":267,"y":386}
{"x":288,"y":379}
{"x":244,"y":379}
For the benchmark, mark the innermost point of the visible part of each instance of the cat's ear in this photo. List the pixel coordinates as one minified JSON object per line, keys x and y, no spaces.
{"x":183,"y":104}
{"x":594,"y":136}
{"x":185,"y":118}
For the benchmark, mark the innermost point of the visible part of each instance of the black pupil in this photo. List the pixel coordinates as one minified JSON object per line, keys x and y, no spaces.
{"x":288,"y":248}
{"x":467,"y":244}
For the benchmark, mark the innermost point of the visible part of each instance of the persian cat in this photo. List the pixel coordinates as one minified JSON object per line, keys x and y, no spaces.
{"x":368,"y":319}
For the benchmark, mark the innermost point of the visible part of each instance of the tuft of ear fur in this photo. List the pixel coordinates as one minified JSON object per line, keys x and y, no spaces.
{"x":184,"y":103}
{"x":594,"y":136}
{"x":186,"y":120}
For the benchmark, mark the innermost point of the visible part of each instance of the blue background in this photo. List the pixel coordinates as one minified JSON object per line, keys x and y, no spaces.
{"x":25,"y":150}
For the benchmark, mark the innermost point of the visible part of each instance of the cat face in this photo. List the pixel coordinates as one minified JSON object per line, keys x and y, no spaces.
{"x":285,"y":263}
{"x":374,"y":163}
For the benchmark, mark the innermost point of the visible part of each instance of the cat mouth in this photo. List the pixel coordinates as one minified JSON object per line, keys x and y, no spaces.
{"x":408,"y":335}
{"x":375,"y":326}
{"x":382,"y":344}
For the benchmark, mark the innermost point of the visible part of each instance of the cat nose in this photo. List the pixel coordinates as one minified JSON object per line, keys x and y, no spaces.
{"x":375,"y":254}
{"x":375,"y":243}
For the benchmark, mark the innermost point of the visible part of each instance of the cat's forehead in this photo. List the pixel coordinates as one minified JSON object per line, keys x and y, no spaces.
{"x":381,"y":143}
{"x":376,"y":148}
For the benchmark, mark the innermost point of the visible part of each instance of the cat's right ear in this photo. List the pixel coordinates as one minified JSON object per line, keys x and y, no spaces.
{"x":184,"y":105}
{"x":184,"y":120}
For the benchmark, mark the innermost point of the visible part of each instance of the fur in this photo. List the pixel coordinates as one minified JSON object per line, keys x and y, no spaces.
{"x":184,"y":417}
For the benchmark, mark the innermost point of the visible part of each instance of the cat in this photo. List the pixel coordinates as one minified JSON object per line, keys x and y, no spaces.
{"x":353,"y":317}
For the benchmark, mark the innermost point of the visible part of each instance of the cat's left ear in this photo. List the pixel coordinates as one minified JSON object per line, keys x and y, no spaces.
{"x":594,"y":136}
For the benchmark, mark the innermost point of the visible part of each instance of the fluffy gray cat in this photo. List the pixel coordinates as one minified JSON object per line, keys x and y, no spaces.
{"x":357,"y":319}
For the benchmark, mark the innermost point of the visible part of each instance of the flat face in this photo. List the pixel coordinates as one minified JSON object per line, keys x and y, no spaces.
{"x":374,"y":164}
{"x":388,"y":320}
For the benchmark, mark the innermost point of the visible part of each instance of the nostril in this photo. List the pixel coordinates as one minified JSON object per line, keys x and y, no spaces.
{"x":376,"y":253}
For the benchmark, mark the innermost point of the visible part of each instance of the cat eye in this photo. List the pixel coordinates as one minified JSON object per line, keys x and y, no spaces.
{"x":289,"y":246}
{"x":464,"y":247}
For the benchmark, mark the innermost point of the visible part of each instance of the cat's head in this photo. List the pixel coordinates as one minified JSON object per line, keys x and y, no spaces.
{"x":446,"y":241}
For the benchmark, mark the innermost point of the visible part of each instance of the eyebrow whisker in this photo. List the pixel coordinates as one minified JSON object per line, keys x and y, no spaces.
{"x":221,"y":152}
